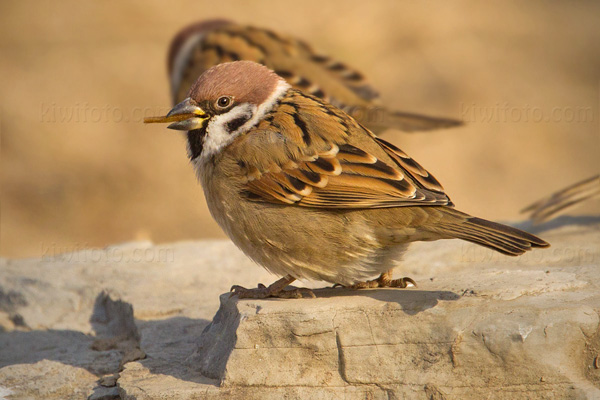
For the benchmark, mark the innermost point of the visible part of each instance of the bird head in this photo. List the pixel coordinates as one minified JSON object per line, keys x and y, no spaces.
{"x":225,"y":101}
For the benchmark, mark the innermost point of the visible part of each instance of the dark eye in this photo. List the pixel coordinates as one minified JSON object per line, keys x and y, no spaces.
{"x":224,"y":102}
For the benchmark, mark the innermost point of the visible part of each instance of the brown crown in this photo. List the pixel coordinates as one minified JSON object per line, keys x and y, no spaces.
{"x":245,"y":81}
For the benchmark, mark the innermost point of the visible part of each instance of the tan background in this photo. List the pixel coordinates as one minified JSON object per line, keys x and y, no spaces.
{"x":79,"y":169}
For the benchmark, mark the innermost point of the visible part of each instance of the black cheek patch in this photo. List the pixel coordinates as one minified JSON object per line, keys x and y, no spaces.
{"x":234,"y":124}
{"x":195,"y":141}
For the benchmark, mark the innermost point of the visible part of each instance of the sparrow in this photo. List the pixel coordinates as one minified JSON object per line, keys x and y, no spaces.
{"x":557,"y":203}
{"x":308,"y":192}
{"x":202,"y":45}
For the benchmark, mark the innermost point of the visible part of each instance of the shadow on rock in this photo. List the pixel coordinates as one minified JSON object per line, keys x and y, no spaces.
{"x":161,"y":345}
{"x":411,"y":301}
{"x":65,"y":346}
{"x":116,"y":342}
{"x":168,"y":343}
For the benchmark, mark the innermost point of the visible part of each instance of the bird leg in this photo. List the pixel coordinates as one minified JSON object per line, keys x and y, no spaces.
{"x":275,"y":289}
{"x":384,"y":280}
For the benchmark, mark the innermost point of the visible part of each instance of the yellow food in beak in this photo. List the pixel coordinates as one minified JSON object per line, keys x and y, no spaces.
{"x":166,"y":119}
{"x":185,"y":116}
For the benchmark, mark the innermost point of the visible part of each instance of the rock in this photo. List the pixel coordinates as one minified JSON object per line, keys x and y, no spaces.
{"x":478,"y":325}
{"x":113,"y":319}
{"x":117,"y":340}
{"x":105,"y":393}
{"x":76,"y":309}
{"x":108,"y":380}
{"x":64,"y":346}
{"x":463,"y":347}
{"x":46,"y":380}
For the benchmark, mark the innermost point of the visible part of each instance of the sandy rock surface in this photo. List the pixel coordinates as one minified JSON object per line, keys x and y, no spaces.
{"x":133,"y":321}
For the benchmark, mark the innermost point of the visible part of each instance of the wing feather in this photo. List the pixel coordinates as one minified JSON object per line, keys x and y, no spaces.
{"x":329,"y":161}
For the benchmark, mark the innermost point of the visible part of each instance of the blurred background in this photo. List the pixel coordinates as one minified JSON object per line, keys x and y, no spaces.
{"x":79,"y":169}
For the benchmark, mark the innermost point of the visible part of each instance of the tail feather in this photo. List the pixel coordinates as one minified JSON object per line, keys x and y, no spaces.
{"x":409,"y":122}
{"x":509,"y":248}
{"x":499,"y":237}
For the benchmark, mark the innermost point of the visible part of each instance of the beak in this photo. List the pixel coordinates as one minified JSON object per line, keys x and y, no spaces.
{"x":185,"y":116}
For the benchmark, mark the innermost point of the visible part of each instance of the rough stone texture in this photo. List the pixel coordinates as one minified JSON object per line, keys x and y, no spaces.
{"x":464,"y":347}
{"x":45,"y":380}
{"x":479,"y":325}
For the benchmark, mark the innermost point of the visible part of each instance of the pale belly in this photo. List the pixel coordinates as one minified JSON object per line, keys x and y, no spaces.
{"x":337,"y":247}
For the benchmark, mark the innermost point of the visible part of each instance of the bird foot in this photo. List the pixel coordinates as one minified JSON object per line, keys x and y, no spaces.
{"x":384,"y":280}
{"x":276,"y":289}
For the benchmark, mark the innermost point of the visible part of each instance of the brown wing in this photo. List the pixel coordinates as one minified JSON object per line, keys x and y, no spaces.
{"x":311,"y":154}
{"x":300,"y":65}
{"x":292,"y":59}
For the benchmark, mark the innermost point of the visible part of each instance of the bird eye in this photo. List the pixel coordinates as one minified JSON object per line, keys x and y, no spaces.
{"x":223,"y":102}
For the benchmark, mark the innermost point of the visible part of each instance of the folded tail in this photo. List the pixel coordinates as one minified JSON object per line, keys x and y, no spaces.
{"x":499,"y":237}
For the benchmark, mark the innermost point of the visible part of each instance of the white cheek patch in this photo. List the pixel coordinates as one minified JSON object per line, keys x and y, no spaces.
{"x":219,"y":136}
{"x":217,"y":133}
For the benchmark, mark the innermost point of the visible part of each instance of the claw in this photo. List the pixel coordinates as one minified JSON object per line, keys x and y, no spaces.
{"x":235,"y":289}
{"x":276,"y":289}
{"x":403,"y":282}
{"x":305,"y":291}
{"x":384,"y":280}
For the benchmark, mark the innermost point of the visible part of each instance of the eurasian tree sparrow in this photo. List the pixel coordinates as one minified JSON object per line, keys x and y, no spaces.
{"x":202,"y":45}
{"x":308,"y":192}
